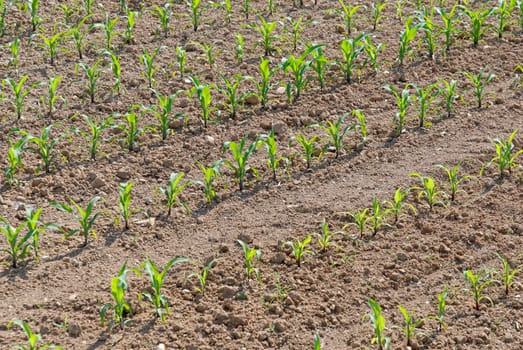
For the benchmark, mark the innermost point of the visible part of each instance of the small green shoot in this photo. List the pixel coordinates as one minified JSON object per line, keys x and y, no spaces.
{"x":173,"y":191}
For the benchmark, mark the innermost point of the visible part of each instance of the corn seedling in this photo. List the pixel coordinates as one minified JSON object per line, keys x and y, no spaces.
{"x":181,"y":59}
{"x":128,"y":34}
{"x":410,"y":324}
{"x":298,"y":66}
{"x":273,"y":160}
{"x":402,"y":101}
{"x":372,"y":52}
{"x":377,"y":9}
{"x":478,"y":282}
{"x":14,"y":47}
{"x":201,"y":277}
{"x":378,"y":324}
{"x":268,"y":38}
{"x":228,"y":10}
{"x":147,"y":59}
{"x":442,"y":304}
{"x":361,"y":125}
{"x":479,"y":81}
{"x":294,"y":28}
{"x":309,"y":146}
{"x":203,"y":94}
{"x":117,"y":71}
{"x":406,"y":37}
{"x":131,"y":129}
{"x":507,"y":273}
{"x":450,"y":95}
{"x":477,"y":22}
{"x":92,"y":73}
{"x":163,"y":14}
{"x":429,"y":190}
{"x":124,"y":202}
{"x":336,"y":134}
{"x":196,"y":13}
{"x":162,"y":111}
{"x":317,"y":342}
{"x":159,"y":300}
{"x":18,"y":243}
{"x":504,"y":159}
{"x":121,"y":308}
{"x":96,"y":127}
{"x":173,"y":191}
{"x":85,"y":218}
{"x":398,"y":204}
{"x":32,"y":6}
{"x":78,"y":35}
{"x":34,"y":226}
{"x":210,"y":174}
{"x":378,"y":217}
{"x":325,"y":236}
{"x":210,"y":53}
{"x":321,"y":66}
{"x":454,"y":180}
{"x":399,"y":10}
{"x":263,"y":87}
{"x":426,"y":25}
{"x":360,"y":219}
{"x":299,"y":248}
{"x":449,"y":28}
{"x":69,"y":12}
{"x":238,"y":48}
{"x":246,"y":8}
{"x":50,"y":100}
{"x":14,"y":161}
{"x":240,"y":157}
{"x":43,"y":146}
{"x":519,"y":6}
{"x":230,"y":90}
{"x":50,"y":44}
{"x":250,"y":254}
{"x":32,"y":338}
{"x":4,"y":8}
{"x":347,"y":13}
{"x":88,"y":6}
{"x":351,"y":48}
{"x":424,"y":97}
{"x":503,"y":13}
{"x":19,"y":93}
{"x":109,"y":30}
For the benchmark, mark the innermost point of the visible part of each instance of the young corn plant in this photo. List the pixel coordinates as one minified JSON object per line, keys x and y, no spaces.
{"x":299,"y":249}
{"x":32,"y":338}
{"x":246,"y":8}
{"x":131,"y":130}
{"x":309,"y":146}
{"x":429,"y":190}
{"x":109,"y":28}
{"x":410,"y":324}
{"x":173,"y":191}
{"x":317,"y":342}
{"x":378,"y":217}
{"x":78,"y":35}
{"x":128,"y":34}
{"x":454,"y":180}
{"x":377,"y":12}
{"x":264,"y":85}
{"x":228,"y":10}
{"x":397,"y":205}
{"x":294,"y":28}
{"x":321,"y":66}
{"x":479,"y":81}
{"x":147,"y":59}
{"x":229,"y":89}
{"x":298,"y":66}
{"x":121,"y":308}
{"x":43,"y":146}
{"x":402,"y":101}
{"x":450,"y":95}
{"x":163,"y":14}
{"x":503,"y":14}
{"x":360,"y":219}
{"x":196,"y":13}
{"x":88,"y":6}
{"x":325,"y":236}
{"x":85,"y":218}
{"x":14,"y":47}
{"x":34,"y":227}
{"x":351,"y":48}
{"x":406,"y":37}
{"x":268,"y":38}
{"x":124,"y":202}
{"x":52,"y":96}
{"x":240,"y":156}
{"x":477,"y":19}
{"x":203,"y":94}
{"x":250,"y":255}
{"x":210,"y":174}
{"x":69,"y":12}
{"x":347,"y":13}
{"x":50,"y":44}
{"x":336,"y":133}
{"x":508,"y":273}
{"x":378,"y":324}
{"x":116,"y":68}
{"x":92,"y":136}
{"x":14,"y":161}
{"x":18,"y":243}
{"x":372,"y":52}
{"x":201,"y":277}
{"x":157,"y":277}
{"x":273,"y":160}
{"x":209,"y":53}
{"x":181,"y":59}
{"x":4,"y":8}
{"x":361,"y":125}
{"x":33,"y":7}
{"x":449,"y":28}
{"x":424,"y":97}
{"x":162,"y":111}
{"x":504,"y":159}
{"x":92,"y":73}
{"x":426,"y":25}
{"x":238,"y":48}
{"x":477,"y":283}
{"x":519,"y":6}
{"x":441,"y":314}
{"x":19,"y":93}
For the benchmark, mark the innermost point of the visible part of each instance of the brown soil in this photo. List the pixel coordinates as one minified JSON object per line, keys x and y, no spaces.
{"x":407,"y":264}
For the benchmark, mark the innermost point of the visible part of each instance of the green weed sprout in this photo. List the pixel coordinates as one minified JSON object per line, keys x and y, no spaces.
{"x":85,"y":218}
{"x":96,"y":127}
{"x":402,"y":101}
{"x":14,"y":161}
{"x":157,"y":277}
{"x":429,"y":190}
{"x":19,"y":93}
{"x":424,"y":97}
{"x":268,"y":38}
{"x":450,"y":95}
{"x":479,"y":81}
{"x":203,"y":93}
{"x":442,"y":304}
{"x":124,"y":202}
{"x":210,"y":174}
{"x":240,"y":156}
{"x":273,"y":160}
{"x":52,"y":96}
{"x":18,"y":243}
{"x":478,"y":282}
{"x":347,"y":13}
{"x":449,"y":28}
{"x":210,"y":54}
{"x":43,"y":146}
{"x":164,"y":14}
{"x":325,"y":236}
{"x":398,"y":204}
{"x":378,"y":324}
{"x":173,"y":191}
{"x":351,"y":48}
{"x":454,"y":180}
{"x":507,"y":273}
{"x":410,"y":324}
{"x":504,"y":159}
{"x":477,"y":19}
{"x":299,"y":248}
{"x":250,"y":254}
{"x":378,"y":217}
{"x":201,"y":277}
{"x":32,"y":338}
{"x":92,"y":73}
{"x":121,"y":308}
{"x":360,"y":219}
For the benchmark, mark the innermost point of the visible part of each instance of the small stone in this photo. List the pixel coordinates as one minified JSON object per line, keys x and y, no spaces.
{"x":236,"y":321}
{"x":443,"y":249}
{"x":123,"y":174}
{"x":252,"y":100}
{"x":278,"y":258}
{"x":160,"y":347}
{"x":209,"y":140}
{"x":396,"y":277}
{"x":279,"y":127}
{"x":74,"y":330}
{"x":98,"y":183}
{"x":245,"y":238}
{"x":280,"y":90}
{"x":227,"y":292}
{"x":221,"y":317}
{"x":176,"y":123}
{"x":266,"y":124}
{"x":280,"y":326}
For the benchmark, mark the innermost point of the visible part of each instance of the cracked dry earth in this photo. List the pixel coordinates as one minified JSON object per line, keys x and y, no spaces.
{"x":408,"y":263}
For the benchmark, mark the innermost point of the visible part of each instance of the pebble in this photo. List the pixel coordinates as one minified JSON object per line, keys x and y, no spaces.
{"x":96,"y":184}
{"x":73,"y":330}
{"x":252,"y":100}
